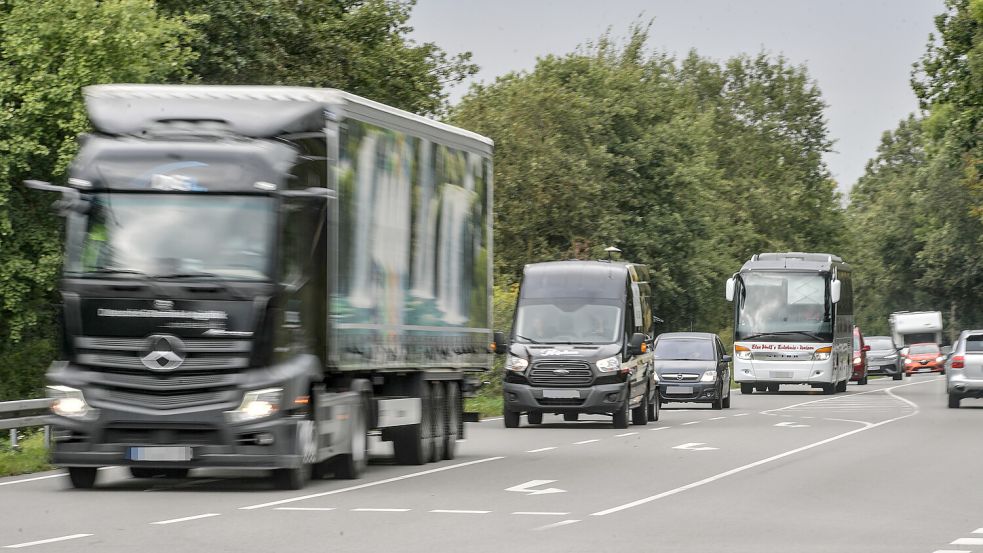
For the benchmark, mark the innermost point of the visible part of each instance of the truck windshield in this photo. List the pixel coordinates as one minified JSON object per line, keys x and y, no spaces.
{"x":171,"y":235}
{"x":783,"y":307}
{"x":567,"y":321}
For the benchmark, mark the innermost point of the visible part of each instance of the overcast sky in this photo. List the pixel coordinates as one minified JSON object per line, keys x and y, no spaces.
{"x":859,"y":51}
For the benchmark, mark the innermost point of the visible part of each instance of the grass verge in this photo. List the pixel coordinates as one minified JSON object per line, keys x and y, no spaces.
{"x":32,"y":456}
{"x":488,"y":405}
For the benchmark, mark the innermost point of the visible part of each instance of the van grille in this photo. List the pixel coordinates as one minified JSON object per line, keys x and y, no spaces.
{"x":561,"y":373}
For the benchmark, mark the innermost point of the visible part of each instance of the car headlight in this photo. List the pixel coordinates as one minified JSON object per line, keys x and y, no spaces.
{"x":70,"y":403}
{"x":256,"y":405}
{"x":515,"y":364}
{"x":822,"y":354}
{"x":856,"y":360}
{"x":609,"y":364}
{"x":940,"y":359}
{"x":709,"y":376}
{"x":742,"y":352}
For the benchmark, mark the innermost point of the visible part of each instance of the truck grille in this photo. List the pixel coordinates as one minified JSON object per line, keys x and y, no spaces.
{"x":561,"y":373}
{"x":126,"y":353}
{"x":170,"y":401}
{"x":137,"y":435}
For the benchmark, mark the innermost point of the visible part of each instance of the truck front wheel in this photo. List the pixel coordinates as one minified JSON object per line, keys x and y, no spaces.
{"x":351,"y":465}
{"x":82,"y":477}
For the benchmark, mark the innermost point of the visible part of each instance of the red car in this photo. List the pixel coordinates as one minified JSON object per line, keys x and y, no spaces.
{"x":860,"y":350}
{"x":925,"y":357}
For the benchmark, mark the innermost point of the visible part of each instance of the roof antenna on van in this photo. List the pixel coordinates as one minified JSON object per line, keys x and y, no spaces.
{"x":611,"y":250}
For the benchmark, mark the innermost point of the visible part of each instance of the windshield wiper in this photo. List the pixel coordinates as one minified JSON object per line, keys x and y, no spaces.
{"x":219,"y":280}
{"x":812,"y":335}
{"x":530,"y":340}
{"x":115,"y":270}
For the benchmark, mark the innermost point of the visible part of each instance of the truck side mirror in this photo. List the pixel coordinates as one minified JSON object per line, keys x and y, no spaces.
{"x":729,"y":292}
{"x":499,"y":345}
{"x":834,"y":291}
{"x":637,"y":345}
{"x":71,"y":200}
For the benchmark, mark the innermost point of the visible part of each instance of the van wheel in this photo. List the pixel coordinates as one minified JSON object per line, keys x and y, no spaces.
{"x":747,"y":388}
{"x":725,"y":403}
{"x":654,"y":405}
{"x":620,"y":417}
{"x":829,"y":389}
{"x":82,"y":478}
{"x":534,"y":417}
{"x":954,"y":401}
{"x":640,"y":414}
{"x":511,"y":418}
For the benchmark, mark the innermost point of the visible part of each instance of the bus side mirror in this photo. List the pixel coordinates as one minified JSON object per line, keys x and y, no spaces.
{"x":499,"y":345}
{"x":729,"y":293}
{"x":834,"y":291}
{"x":637,"y":345}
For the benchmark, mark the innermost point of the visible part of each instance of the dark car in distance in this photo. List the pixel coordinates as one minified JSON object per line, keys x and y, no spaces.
{"x":883,"y":358}
{"x":692,"y":367}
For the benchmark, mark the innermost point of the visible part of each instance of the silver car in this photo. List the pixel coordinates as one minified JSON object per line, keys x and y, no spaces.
{"x":964,"y":368}
{"x":883,"y":358}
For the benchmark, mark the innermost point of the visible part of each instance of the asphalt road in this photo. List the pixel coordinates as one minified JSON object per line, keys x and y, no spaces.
{"x":884,"y":467}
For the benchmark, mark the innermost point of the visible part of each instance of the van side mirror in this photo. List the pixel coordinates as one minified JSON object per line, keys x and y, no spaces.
{"x":725,"y":359}
{"x":499,"y":345}
{"x":834,"y":291}
{"x":729,"y":292}
{"x":637,"y":345}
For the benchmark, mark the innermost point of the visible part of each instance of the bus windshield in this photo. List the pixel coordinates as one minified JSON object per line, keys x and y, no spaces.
{"x":783,"y":307}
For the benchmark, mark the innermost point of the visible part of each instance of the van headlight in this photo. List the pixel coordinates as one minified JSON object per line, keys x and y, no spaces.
{"x":609,"y":364}
{"x":515,"y":364}
{"x":256,"y":405}
{"x":69,"y":402}
{"x":709,"y":376}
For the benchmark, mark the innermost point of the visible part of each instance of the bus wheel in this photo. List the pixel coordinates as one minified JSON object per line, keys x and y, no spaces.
{"x":747,"y":388}
{"x":829,"y":389}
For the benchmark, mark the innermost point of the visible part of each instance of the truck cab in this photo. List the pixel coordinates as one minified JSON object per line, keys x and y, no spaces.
{"x":581,"y":344}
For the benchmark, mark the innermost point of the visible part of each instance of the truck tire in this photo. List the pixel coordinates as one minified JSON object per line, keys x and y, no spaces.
{"x":620,"y":417}
{"x":511,"y":418}
{"x":451,"y":434}
{"x":438,"y":406}
{"x":413,"y":443}
{"x":351,"y":465}
{"x":534,"y":417}
{"x":747,"y":388}
{"x":291,"y":479}
{"x":296,"y":478}
{"x":640,"y":414}
{"x":83,"y":478}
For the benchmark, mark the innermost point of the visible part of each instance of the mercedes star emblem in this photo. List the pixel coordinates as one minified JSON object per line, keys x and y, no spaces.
{"x":163,"y":353}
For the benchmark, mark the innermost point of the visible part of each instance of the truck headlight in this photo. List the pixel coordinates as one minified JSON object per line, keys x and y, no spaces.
{"x":822,"y":354}
{"x":515,"y":364}
{"x":709,"y":376}
{"x":609,"y":364}
{"x":70,"y":403}
{"x":256,"y":405}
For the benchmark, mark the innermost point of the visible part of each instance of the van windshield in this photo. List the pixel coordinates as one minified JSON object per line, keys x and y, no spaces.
{"x":568,"y":321}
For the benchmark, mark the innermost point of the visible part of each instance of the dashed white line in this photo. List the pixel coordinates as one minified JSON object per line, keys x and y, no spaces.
{"x":370,"y":484}
{"x":968,"y":541}
{"x":305,"y":508}
{"x":540,"y":449}
{"x":659,"y":428}
{"x":460,"y":512}
{"x":716,"y":418}
{"x":375,"y":510}
{"x":52,"y":540}
{"x":950,"y":551}
{"x":585,"y":442}
{"x":542,"y":513}
{"x":691,"y":422}
{"x":185,"y":519}
{"x":556,"y":524}
{"x":625,"y":434}
{"x":742,"y":414}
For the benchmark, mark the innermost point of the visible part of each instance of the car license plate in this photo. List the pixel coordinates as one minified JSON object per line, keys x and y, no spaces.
{"x":173,"y":453}
{"x":679,"y":390}
{"x":561,"y":394}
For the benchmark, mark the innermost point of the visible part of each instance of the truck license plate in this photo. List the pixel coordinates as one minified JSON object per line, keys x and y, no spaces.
{"x":679,"y":390}
{"x":173,"y":453}
{"x":561,"y":394}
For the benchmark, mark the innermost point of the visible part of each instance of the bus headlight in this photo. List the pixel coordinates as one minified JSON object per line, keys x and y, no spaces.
{"x":70,"y":403}
{"x":609,"y":364}
{"x":822,"y":354}
{"x":256,"y":405}
{"x":742,"y":352}
{"x":515,"y":364}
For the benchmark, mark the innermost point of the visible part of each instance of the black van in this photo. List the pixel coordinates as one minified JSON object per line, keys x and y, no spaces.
{"x":581,"y":343}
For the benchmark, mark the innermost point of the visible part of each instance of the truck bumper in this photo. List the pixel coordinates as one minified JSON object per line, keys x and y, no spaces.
{"x":598,"y":399}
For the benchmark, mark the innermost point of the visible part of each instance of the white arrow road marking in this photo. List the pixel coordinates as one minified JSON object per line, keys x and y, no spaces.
{"x":791,"y":425}
{"x":527,"y":487}
{"x":694,"y":447}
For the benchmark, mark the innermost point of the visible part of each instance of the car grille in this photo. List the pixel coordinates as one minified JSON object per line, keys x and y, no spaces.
{"x":561,"y":373}
{"x":678,"y":377}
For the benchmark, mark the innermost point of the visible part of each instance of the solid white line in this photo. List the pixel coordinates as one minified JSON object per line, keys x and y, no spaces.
{"x":716,"y":418}
{"x":305,"y":509}
{"x":540,"y":449}
{"x":494,"y":419}
{"x":372,"y":510}
{"x":585,"y":442}
{"x":534,"y":513}
{"x":968,"y":541}
{"x":52,"y":540}
{"x":196,"y":517}
{"x":370,"y":484}
{"x":950,"y":551}
{"x":749,"y":466}
{"x":691,"y":422}
{"x":625,"y":434}
{"x":556,"y":524}
{"x":59,"y":475}
{"x":460,"y":511}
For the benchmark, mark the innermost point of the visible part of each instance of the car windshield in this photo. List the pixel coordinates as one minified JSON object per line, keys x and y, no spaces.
{"x":880,"y":343}
{"x":567,"y":321}
{"x":923,"y":348}
{"x":684,"y":349}
{"x":174,"y":235}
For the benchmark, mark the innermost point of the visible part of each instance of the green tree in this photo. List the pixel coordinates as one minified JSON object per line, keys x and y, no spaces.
{"x":360,"y":46}
{"x":48,"y":50}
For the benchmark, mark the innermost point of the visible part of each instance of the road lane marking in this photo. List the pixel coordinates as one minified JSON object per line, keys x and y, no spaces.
{"x":375,"y":510}
{"x":538,"y":513}
{"x":659,"y":428}
{"x":185,"y":519}
{"x":716,"y":418}
{"x":528,"y":487}
{"x":494,"y":419}
{"x":760,"y":462}
{"x":950,"y":551}
{"x":978,"y":531}
{"x":968,"y":541}
{"x":305,"y":508}
{"x":21,"y":481}
{"x":540,"y":449}
{"x":41,"y":542}
{"x":742,"y":414}
{"x":691,"y":422}
{"x":625,"y":434}
{"x":460,"y":512}
{"x":694,"y":446}
{"x":585,"y":442}
{"x":791,"y":425}
{"x":370,"y":484}
{"x":556,"y":524}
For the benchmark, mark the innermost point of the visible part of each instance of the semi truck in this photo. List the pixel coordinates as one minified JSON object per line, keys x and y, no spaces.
{"x":913,"y":327}
{"x":263,"y":277}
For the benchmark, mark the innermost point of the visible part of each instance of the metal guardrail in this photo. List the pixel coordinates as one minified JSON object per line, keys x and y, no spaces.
{"x":23,"y":413}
